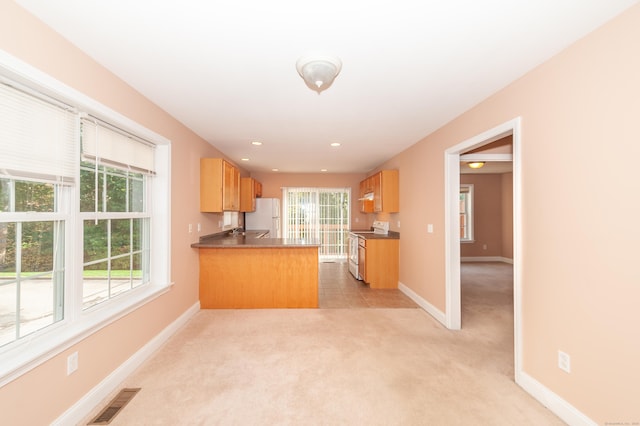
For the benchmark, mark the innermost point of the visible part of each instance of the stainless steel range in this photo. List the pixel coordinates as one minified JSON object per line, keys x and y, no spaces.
{"x":379,"y":227}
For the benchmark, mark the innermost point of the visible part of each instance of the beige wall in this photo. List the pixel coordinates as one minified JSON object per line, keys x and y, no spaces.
{"x":580,"y":281}
{"x":487,"y":215}
{"x":272,"y":184}
{"x":42,"y":395}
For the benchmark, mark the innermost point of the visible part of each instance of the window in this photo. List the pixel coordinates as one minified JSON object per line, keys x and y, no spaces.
{"x":230,"y":220}
{"x":115,"y":238}
{"x":466,"y":213}
{"x":320,"y":214}
{"x":114,"y":213}
{"x":83,"y":192}
{"x":31,"y":257}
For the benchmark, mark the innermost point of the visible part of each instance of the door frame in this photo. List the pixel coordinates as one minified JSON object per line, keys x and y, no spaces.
{"x":453,"y":314}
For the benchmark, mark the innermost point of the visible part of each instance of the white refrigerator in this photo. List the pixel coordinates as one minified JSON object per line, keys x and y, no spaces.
{"x":266,"y":217}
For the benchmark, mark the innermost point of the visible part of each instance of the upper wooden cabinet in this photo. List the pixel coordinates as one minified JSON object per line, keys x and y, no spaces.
{"x":250,"y":189}
{"x":219,"y":185}
{"x":379,"y":193}
{"x":366,"y":204}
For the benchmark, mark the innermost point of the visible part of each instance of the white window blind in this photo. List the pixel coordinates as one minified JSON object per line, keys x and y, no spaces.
{"x":320,"y":214}
{"x":37,"y":137}
{"x":115,"y":147}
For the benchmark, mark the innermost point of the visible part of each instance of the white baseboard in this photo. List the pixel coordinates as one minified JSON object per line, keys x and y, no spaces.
{"x":561,"y":408}
{"x":486,"y":259}
{"x":81,"y":409}
{"x":431,"y":310}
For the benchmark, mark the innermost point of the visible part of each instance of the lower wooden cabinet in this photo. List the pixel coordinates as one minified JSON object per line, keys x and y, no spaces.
{"x":381,"y":262}
{"x":252,"y":278}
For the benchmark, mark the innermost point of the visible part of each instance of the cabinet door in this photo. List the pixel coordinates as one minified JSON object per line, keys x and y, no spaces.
{"x":386,"y":198}
{"x":377,"y":192}
{"x":231,"y":187}
{"x":247,"y":199}
{"x":235,"y":190}
{"x":362,"y":256}
{"x":382,"y":267}
{"x":211,"y":185}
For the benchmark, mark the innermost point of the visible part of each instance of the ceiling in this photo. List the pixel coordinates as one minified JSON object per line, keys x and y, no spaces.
{"x":227,"y":69}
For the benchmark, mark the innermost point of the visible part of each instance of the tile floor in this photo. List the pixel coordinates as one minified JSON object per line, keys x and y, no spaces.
{"x":337,"y":288}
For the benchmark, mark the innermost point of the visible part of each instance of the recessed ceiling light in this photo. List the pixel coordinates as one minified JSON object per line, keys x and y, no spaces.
{"x":323,"y":170}
{"x":256,"y":143}
{"x":244,"y":159}
{"x":274,"y":170}
{"x":335,"y":144}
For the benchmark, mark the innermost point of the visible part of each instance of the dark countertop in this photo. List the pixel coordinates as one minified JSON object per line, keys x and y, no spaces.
{"x":369,"y":235}
{"x":249,"y":239}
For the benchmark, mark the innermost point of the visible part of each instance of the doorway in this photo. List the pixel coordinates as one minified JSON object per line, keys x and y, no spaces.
{"x":320,"y":214}
{"x":452,"y":226}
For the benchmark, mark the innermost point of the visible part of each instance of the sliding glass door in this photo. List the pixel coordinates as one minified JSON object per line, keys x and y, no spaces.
{"x":321,"y":214}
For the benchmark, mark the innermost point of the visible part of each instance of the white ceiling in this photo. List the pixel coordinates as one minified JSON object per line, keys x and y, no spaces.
{"x":227,"y":69}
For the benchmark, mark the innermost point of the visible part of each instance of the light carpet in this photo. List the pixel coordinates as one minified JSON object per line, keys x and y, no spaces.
{"x":330,"y":367}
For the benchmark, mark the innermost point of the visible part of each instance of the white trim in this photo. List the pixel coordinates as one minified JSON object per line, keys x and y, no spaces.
{"x":83,"y":407}
{"x":452,"y":169}
{"x":428,"y":307}
{"x":567,"y":412}
{"x":452,"y":241}
{"x":35,"y":349}
{"x":487,"y":157}
{"x":43,"y":345}
{"x":452,"y":246}
{"x":20,"y":71}
{"x":486,"y":259}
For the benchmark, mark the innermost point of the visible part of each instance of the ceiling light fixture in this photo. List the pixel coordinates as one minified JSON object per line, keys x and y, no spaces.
{"x":256,"y":143}
{"x":476,"y":164}
{"x":335,"y":144}
{"x":318,"y":72}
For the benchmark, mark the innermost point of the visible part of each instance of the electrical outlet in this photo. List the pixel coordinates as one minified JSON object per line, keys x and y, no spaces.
{"x":72,"y":363}
{"x":190,"y":228}
{"x":398,"y":224}
{"x":199,"y":228}
{"x":430,"y":228}
{"x":564,"y":361}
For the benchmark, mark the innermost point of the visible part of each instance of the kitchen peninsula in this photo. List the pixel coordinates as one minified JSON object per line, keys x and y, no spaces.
{"x":242,"y":270}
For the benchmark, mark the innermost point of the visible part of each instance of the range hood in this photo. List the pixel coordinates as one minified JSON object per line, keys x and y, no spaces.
{"x":367,"y":197}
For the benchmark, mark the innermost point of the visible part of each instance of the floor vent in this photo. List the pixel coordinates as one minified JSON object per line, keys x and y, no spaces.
{"x":115,"y":406}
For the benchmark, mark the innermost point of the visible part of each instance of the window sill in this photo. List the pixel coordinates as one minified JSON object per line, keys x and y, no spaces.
{"x":35,"y":349}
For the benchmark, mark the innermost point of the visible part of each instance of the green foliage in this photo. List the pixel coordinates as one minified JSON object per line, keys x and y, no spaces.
{"x":118,"y":191}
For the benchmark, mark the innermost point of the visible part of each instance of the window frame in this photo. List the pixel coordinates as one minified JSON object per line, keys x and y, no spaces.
{"x":21,"y":356}
{"x":468,"y":189}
